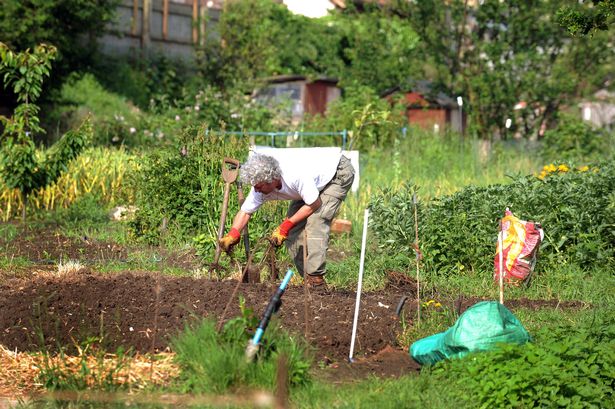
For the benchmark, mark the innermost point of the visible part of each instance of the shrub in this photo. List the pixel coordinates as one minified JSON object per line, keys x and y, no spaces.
{"x":184,"y":185}
{"x":568,"y":367}
{"x":575,"y":139}
{"x":576,"y":209}
{"x":113,"y":116}
{"x":373,"y":121}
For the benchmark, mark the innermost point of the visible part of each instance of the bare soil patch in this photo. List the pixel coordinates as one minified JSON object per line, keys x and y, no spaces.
{"x":142,"y":311}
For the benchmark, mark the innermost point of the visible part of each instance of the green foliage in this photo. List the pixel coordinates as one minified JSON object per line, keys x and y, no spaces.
{"x":569,"y":367}
{"x":25,"y":72}
{"x":246,"y":50}
{"x":22,"y":166}
{"x":87,"y":210}
{"x":372,"y":122}
{"x":498,"y":54}
{"x":459,"y":231}
{"x":113,"y":117}
{"x":582,"y":20}
{"x":70,"y":25}
{"x":213,"y":361}
{"x":574,"y":139}
{"x":182,"y":185}
{"x":378,"y":49}
{"x":262,"y":38}
{"x":153,"y":78}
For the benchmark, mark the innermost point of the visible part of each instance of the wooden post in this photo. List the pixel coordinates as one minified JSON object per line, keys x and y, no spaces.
{"x":145,"y":27}
{"x":195,"y":18}
{"x":135,"y":17}
{"x":281,"y":391}
{"x":202,"y":24}
{"x":306,"y":290}
{"x":165,"y":19}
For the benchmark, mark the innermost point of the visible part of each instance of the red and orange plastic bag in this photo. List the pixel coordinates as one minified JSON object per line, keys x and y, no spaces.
{"x":520,"y":243}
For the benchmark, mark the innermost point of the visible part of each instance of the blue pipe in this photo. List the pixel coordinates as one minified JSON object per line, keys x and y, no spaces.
{"x":272,"y":307}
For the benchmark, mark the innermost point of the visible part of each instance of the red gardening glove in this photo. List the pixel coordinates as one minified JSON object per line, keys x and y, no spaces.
{"x":280,"y":234}
{"x":227,"y":242}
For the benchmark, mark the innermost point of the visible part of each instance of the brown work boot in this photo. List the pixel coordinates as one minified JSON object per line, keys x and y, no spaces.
{"x":316,"y":281}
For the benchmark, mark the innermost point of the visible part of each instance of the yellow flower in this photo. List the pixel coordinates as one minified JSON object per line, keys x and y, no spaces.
{"x":437,"y":305}
{"x":563,"y":168}
{"x":583,"y":168}
{"x":551,"y":168}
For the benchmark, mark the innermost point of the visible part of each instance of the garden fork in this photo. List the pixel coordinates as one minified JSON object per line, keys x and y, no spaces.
{"x":230,"y":170}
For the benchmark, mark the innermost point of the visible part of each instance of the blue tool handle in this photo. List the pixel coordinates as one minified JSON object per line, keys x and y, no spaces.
{"x":273,"y":306}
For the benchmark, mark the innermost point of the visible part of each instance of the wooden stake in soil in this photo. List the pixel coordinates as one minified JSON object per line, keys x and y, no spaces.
{"x":281,"y":393}
{"x":228,"y":303}
{"x":416,"y":252}
{"x":306,"y":290}
{"x":157,"y":289}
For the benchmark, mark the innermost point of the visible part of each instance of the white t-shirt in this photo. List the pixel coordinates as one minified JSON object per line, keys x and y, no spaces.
{"x":305,"y":172}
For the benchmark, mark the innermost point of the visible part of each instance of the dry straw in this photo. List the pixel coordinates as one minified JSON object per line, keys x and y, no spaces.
{"x":19,"y":371}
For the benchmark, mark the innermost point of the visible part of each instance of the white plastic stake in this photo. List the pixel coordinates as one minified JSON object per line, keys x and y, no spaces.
{"x":501,"y":259}
{"x":356,"y":307}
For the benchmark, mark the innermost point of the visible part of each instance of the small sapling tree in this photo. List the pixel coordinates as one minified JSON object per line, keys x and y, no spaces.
{"x":22,"y":165}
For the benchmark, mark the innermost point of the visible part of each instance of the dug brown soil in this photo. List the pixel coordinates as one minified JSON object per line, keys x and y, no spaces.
{"x":142,"y":311}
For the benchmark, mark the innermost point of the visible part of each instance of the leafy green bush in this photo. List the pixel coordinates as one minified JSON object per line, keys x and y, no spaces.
{"x":184,"y":186}
{"x":117,"y":121}
{"x":213,"y":361}
{"x":575,"y":139}
{"x":575,"y":208}
{"x":72,"y":26}
{"x":114,"y":118}
{"x":567,"y":367}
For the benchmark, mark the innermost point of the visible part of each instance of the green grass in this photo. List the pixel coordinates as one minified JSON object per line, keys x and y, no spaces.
{"x":214,"y":362}
{"x":442,"y":164}
{"x":410,"y":391}
{"x":437,"y":165}
{"x":8,"y":231}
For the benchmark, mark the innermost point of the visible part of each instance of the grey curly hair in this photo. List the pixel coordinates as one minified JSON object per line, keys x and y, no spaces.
{"x":260,"y":168}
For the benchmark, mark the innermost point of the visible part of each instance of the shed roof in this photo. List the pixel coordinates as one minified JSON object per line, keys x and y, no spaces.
{"x":289,"y":78}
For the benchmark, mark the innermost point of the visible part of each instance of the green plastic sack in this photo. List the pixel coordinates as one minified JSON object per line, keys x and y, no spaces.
{"x":480,"y":328}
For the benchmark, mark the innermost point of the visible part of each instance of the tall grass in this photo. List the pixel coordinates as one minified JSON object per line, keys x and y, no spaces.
{"x":437,"y":164}
{"x":97,"y":171}
{"x":213,"y":361}
{"x":441,"y":164}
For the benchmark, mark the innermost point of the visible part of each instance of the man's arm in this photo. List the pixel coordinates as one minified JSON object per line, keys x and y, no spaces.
{"x":305,"y":211}
{"x":241,"y":219}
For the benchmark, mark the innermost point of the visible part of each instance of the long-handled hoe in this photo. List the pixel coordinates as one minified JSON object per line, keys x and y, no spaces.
{"x":272,"y":307}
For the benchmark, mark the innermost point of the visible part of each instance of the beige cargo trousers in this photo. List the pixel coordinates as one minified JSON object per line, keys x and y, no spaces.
{"x":318,"y":224}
